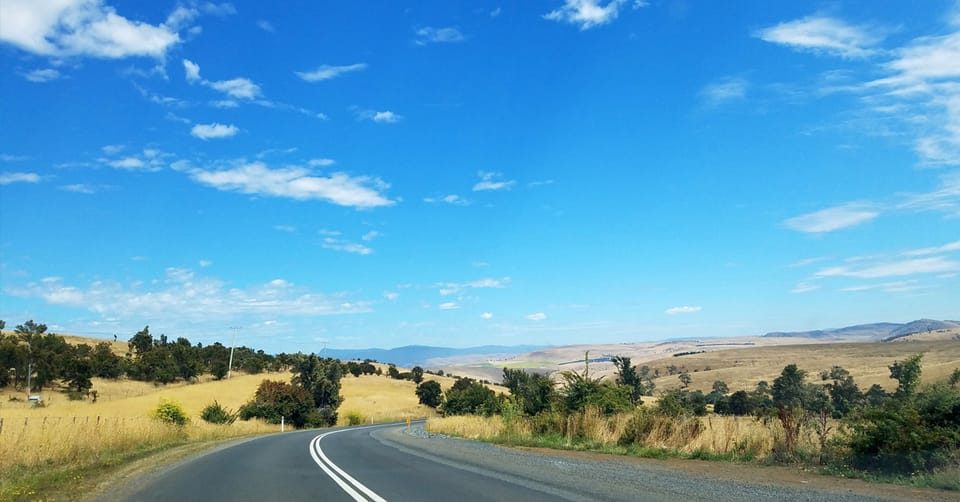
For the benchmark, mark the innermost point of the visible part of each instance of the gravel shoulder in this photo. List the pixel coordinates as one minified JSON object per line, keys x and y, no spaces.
{"x":591,"y":476}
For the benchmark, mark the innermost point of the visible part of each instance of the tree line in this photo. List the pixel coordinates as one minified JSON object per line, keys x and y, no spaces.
{"x":912,"y":429}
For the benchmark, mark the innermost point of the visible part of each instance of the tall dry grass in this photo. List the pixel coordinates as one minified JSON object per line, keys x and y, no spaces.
{"x":723,"y":436}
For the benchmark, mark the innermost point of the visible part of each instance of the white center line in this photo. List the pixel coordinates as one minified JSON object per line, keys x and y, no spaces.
{"x":338,"y":475}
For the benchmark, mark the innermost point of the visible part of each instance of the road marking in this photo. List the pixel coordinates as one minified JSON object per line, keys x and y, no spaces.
{"x":344,"y":480}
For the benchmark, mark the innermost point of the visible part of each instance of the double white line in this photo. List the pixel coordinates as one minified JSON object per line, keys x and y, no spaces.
{"x":353,"y":487}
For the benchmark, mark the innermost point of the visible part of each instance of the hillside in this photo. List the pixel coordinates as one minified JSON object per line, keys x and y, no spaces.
{"x":422,"y":355}
{"x":873,"y":332}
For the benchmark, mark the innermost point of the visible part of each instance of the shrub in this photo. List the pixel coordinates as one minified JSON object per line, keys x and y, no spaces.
{"x":214,"y":413}
{"x":430,"y":393}
{"x":171,"y":412}
{"x":354,"y":418}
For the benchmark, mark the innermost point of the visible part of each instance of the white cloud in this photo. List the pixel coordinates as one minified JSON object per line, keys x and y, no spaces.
{"x":486,"y":316}
{"x":296,"y":183}
{"x":586,"y":13}
{"x":81,"y":28}
{"x":682,"y":310}
{"x":724,"y":91}
{"x":219,"y":10}
{"x":451,"y":199}
{"x":449,"y":288}
{"x":887,"y":287}
{"x":387,"y":117}
{"x":320,"y":162}
{"x":127,"y":163}
{"x":825,"y":35}
{"x":205,"y":263}
{"x":40,"y":76}
{"x":8,"y":178}
{"x":240,"y":88}
{"x":327,"y":72}
{"x":285,"y":228}
{"x":112,"y":149}
{"x":945,"y":199}
{"x":806,"y":261}
{"x":215,"y":130}
{"x":933,"y":265}
{"x":805,"y":287}
{"x":265,"y":25}
{"x":371,"y":235}
{"x":830,"y":219}
{"x":946,"y":248}
{"x":495,"y":12}
{"x":336,"y":244}
{"x":79,"y":188}
{"x":430,"y":35}
{"x":6,"y":157}
{"x":448,"y":306}
{"x":192,"y":70}
{"x":224,"y":103}
{"x":491,"y":181}
{"x":182,"y":294}
{"x":539,"y":316}
{"x":391,"y":295}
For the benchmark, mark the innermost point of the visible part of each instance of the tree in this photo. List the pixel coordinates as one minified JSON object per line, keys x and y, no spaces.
{"x":321,"y":378}
{"x":685,"y":379}
{"x":580,"y":391}
{"x":416,"y":374}
{"x":788,"y":396}
{"x":430,"y":393}
{"x":274,"y":400}
{"x":393,"y":372}
{"x":907,"y":375}
{"x":844,"y":393}
{"x":720,"y":387}
{"x":78,"y":369}
{"x":105,"y":363}
{"x":141,"y":342}
{"x":627,"y":375}
{"x":533,"y":391}
{"x":469,"y":397}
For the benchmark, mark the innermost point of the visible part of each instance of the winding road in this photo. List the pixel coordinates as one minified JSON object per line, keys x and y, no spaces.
{"x":388,"y":462}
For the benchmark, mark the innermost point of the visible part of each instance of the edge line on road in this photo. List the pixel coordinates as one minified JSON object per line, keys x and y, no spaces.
{"x":338,"y":475}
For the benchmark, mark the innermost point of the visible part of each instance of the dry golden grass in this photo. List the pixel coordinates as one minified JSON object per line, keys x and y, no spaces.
{"x":714,"y":434}
{"x":867,"y":362}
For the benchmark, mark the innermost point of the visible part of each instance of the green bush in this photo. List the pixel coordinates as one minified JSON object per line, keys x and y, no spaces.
{"x":354,"y":418}
{"x":171,"y":412}
{"x":214,"y":413}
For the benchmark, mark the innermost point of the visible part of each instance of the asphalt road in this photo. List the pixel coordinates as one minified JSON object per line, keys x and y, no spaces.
{"x":386,"y":462}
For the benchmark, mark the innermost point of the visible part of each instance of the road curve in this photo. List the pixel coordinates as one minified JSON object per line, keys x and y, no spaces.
{"x":386,"y":463}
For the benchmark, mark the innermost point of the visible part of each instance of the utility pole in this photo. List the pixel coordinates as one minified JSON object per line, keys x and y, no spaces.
{"x":232,"y":345}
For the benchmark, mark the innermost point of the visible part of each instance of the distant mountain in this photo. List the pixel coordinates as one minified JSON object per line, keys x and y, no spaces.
{"x":420,"y":355}
{"x":921,"y":326}
{"x":880,"y":331}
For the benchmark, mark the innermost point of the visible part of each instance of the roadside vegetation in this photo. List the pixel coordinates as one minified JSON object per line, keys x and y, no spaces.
{"x":910,"y":435}
{"x":102,"y":408}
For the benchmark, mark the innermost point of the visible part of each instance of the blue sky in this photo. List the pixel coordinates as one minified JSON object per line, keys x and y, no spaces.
{"x":364,"y":174}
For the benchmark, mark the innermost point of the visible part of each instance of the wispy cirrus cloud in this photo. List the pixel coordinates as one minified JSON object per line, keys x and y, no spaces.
{"x":824,"y":35}
{"x":894,"y":268}
{"x":42,"y":75}
{"x":685,"y":309}
{"x":431,"y":35}
{"x":586,"y":13}
{"x":338,"y":244}
{"x":299,"y":183}
{"x":181,"y":293}
{"x":449,"y":288}
{"x":492,"y":181}
{"x":328,"y":72}
{"x":452,"y":199}
{"x":831,"y":219}
{"x":539,"y":316}
{"x":946,"y":248}
{"x":724,"y":91}
{"x":9,"y":178}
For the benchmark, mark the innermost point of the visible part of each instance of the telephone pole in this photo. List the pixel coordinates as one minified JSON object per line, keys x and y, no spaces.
{"x":232,"y":345}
